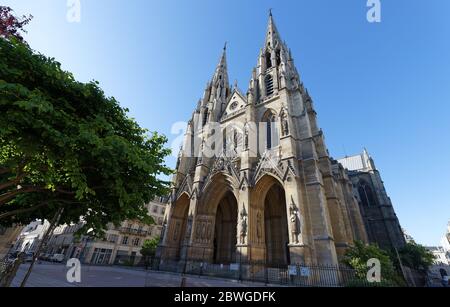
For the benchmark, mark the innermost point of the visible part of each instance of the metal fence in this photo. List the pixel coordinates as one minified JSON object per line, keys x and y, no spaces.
{"x":300,"y":275}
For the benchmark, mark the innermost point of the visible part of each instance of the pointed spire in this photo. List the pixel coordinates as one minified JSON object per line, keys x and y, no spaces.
{"x":219,"y":87}
{"x":221,"y":72}
{"x":272,"y":35}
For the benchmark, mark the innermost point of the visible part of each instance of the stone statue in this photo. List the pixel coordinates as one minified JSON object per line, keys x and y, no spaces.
{"x":246,"y":138}
{"x":243,"y":225}
{"x":188,"y":228}
{"x":294,"y":222}
{"x":258,"y":226}
{"x":177,"y":230}
{"x":203,"y":235}
{"x":284,"y":124}
{"x":235,"y":139}
{"x":198,"y":231}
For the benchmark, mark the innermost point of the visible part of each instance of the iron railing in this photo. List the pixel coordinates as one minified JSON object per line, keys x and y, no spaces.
{"x":298,"y":274}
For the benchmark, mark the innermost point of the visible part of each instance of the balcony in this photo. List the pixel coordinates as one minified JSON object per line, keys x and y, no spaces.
{"x":133,"y":231}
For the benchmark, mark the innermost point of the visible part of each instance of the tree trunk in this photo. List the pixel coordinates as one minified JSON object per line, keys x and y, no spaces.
{"x":50,"y":229}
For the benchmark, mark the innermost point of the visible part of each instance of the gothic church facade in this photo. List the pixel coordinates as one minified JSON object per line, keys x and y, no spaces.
{"x":271,"y":193}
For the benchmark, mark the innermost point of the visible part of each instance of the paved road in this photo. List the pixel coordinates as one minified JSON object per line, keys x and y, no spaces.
{"x":54,"y":275}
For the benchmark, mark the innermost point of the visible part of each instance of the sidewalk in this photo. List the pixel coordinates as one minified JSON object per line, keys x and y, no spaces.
{"x":54,"y":275}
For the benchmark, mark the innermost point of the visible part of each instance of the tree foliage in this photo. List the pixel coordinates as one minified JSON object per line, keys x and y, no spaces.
{"x":416,"y":256}
{"x":358,"y":255}
{"x":149,"y":247}
{"x":63,"y":143}
{"x":12,"y":26}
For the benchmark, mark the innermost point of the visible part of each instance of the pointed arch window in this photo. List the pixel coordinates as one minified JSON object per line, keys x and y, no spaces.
{"x":205,"y":116}
{"x":271,"y":133}
{"x":278,"y":56}
{"x":268,"y":60}
{"x":269,"y":85}
{"x":224,"y":140}
{"x":366,"y":194}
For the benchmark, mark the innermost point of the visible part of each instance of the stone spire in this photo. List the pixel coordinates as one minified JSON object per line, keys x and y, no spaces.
{"x":272,"y":36}
{"x":216,"y":91}
{"x":221,"y":73}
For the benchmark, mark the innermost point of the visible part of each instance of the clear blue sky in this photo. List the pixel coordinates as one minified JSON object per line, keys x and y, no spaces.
{"x":382,"y":86}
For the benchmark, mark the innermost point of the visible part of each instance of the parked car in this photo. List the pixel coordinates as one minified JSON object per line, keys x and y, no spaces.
{"x":45,"y":256}
{"x":57,"y":258}
{"x":29,"y":257}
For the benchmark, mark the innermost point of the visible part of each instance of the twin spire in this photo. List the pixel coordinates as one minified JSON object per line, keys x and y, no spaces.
{"x":274,"y":54}
{"x":272,"y":39}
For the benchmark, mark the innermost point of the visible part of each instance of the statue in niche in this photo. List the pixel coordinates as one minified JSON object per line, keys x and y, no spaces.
{"x":198,"y":231}
{"x":258,"y":226}
{"x":188,"y":227}
{"x":294,"y":221}
{"x":176,"y":231}
{"x":284,"y":124}
{"x":203,"y":236}
{"x":243,"y":233}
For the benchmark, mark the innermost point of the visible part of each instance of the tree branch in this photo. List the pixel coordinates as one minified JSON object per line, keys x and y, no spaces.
{"x":6,"y":197}
{"x":12,"y":182}
{"x":20,"y":211}
{"x":5,"y":170}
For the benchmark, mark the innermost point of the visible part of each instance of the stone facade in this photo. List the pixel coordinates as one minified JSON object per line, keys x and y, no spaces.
{"x":31,"y":236}
{"x":8,"y":236}
{"x":123,"y":244}
{"x":270,"y":192}
{"x":380,"y":220}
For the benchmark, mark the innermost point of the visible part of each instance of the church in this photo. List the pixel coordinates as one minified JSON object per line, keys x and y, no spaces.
{"x":254,"y":181}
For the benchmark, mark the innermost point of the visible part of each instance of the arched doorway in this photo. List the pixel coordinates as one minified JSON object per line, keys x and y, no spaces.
{"x":225,"y":230}
{"x":275,"y":226}
{"x":178,"y":225}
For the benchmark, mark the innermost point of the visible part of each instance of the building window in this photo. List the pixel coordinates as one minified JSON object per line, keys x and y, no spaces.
{"x":124,"y":240}
{"x":268,"y":60}
{"x":278,"y":56}
{"x":113,"y":238}
{"x":205,"y":116}
{"x":224,"y":140}
{"x":271,"y":132}
{"x":101,"y":256}
{"x":269,"y":85}
{"x":366,"y":195}
{"x":136,"y":241}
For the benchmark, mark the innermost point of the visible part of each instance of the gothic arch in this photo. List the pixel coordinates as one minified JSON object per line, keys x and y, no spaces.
{"x":216,"y":187}
{"x":225,"y":229}
{"x":177,"y":228}
{"x":263,"y":184}
{"x":218,"y":212}
{"x":268,"y":208}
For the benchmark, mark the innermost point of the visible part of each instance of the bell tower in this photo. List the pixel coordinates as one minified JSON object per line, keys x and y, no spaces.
{"x":269,"y":192}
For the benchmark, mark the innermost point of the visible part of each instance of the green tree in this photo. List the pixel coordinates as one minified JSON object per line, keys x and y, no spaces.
{"x":149,"y":247}
{"x":64,"y":145}
{"x":415,"y":256}
{"x":358,"y":255}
